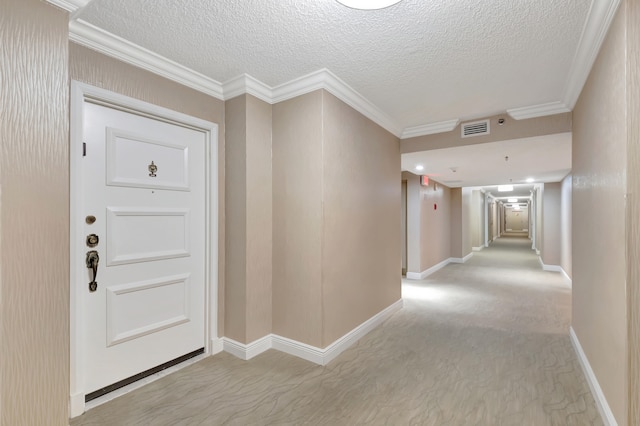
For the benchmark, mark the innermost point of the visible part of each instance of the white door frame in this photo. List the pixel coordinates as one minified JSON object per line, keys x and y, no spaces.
{"x":79,"y":93}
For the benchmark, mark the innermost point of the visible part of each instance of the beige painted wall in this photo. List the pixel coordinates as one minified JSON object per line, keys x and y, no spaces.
{"x":413,"y":221}
{"x":361,"y":212}
{"x":551,"y":249}
{"x":435,"y":229}
{"x":336,"y":208}
{"x":91,"y":67}
{"x":249,"y":219}
{"x":455,"y":195}
{"x":565,"y":226}
{"x":297,"y":218}
{"x":633,"y":207}
{"x":477,"y":219}
{"x":515,"y":129}
{"x":599,"y":182}
{"x":34,"y":214}
{"x":516,"y":220}
{"x":467,"y":246}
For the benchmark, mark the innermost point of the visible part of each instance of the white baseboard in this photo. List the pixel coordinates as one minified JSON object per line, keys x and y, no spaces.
{"x":216,"y":346}
{"x":302,"y":350}
{"x":422,"y":275}
{"x":603,"y":406}
{"x":461,"y":259}
{"x":555,"y":268}
{"x":76,"y":405}
{"x":479,"y":248}
{"x":249,"y":350}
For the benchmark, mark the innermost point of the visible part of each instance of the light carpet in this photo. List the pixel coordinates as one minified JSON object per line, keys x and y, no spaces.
{"x":480,"y":343}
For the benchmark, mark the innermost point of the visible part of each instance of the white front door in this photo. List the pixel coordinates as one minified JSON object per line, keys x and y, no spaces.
{"x":144,"y":198}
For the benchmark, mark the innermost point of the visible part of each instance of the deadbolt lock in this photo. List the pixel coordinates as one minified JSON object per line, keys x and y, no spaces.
{"x":92,"y":240}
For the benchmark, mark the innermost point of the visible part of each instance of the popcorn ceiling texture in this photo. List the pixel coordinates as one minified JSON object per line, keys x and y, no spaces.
{"x":419,"y":61}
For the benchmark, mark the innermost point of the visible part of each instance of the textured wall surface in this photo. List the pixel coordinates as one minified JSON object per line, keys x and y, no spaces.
{"x":599,"y":158}
{"x":93,"y":68}
{"x":249,"y":219}
{"x":633,"y":206}
{"x":552,"y":232}
{"x":456,"y":223}
{"x":34,"y":186}
{"x":297,"y":218}
{"x":565,"y":226}
{"x":259,"y":218}
{"x":235,"y":293}
{"x":435,"y":229}
{"x":361,"y":219}
{"x":413,"y":222}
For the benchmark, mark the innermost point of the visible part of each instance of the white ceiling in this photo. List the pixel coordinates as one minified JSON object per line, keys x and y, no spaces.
{"x":543,"y":158}
{"x":417,"y":67}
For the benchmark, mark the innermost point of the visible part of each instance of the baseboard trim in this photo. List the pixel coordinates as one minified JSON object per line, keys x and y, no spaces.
{"x":76,"y":405}
{"x":566,"y":276}
{"x":601,"y":402}
{"x":555,"y":268}
{"x":479,"y":248}
{"x":422,"y":275}
{"x":249,"y":350}
{"x":216,"y":346}
{"x":460,"y":259}
{"x":307,"y":352}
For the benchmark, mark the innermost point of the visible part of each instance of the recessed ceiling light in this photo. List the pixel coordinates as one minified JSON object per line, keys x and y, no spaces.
{"x":368,"y":4}
{"x":505,"y":188}
{"x":419,"y":167}
{"x":529,"y":180}
{"x":512,"y":200}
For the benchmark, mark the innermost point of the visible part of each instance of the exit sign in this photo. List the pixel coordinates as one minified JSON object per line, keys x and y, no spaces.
{"x":424,"y":180}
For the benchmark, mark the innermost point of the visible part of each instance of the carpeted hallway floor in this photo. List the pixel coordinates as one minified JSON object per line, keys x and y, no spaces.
{"x":483,"y":343}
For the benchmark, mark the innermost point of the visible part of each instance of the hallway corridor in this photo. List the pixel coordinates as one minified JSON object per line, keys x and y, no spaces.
{"x":480,"y":343}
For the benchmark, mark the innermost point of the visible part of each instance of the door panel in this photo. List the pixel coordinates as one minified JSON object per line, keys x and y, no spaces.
{"x":145,"y":185}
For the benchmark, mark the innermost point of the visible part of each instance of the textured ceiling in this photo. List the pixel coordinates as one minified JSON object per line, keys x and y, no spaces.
{"x":419,"y":61}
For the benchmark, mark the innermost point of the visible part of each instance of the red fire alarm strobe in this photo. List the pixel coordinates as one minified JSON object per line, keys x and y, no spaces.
{"x":435,"y":207}
{"x":424,"y":180}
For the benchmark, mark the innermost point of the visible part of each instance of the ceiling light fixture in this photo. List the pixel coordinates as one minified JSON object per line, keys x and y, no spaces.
{"x":419,"y":167}
{"x":529,"y":180}
{"x":505,"y":188}
{"x":368,"y":4}
{"x":512,"y":200}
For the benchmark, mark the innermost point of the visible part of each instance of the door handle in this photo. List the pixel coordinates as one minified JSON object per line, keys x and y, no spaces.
{"x":92,"y":263}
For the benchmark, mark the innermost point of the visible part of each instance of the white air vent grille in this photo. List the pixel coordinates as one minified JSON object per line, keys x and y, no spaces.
{"x":477,"y":128}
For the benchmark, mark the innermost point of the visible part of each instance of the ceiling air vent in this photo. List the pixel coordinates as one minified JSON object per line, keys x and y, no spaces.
{"x":477,"y":128}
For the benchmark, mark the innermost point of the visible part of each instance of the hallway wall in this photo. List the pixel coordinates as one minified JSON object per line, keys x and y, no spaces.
{"x":336,"y":201}
{"x":565,"y":226}
{"x":248,"y":204}
{"x":551,"y":247}
{"x":599,"y":159}
{"x":435,"y":224}
{"x":34,"y":214}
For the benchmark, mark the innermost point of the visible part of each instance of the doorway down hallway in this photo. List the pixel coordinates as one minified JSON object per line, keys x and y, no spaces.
{"x":480,"y":343}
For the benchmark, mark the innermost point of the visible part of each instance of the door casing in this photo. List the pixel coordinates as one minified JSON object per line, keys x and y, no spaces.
{"x":81,"y":92}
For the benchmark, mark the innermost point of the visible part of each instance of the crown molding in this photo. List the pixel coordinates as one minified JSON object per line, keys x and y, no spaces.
{"x":88,"y":35}
{"x":541,"y":110}
{"x":594,"y":32}
{"x":325,"y":79}
{"x":245,"y":84}
{"x":70,"y":6}
{"x":430,"y":129}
